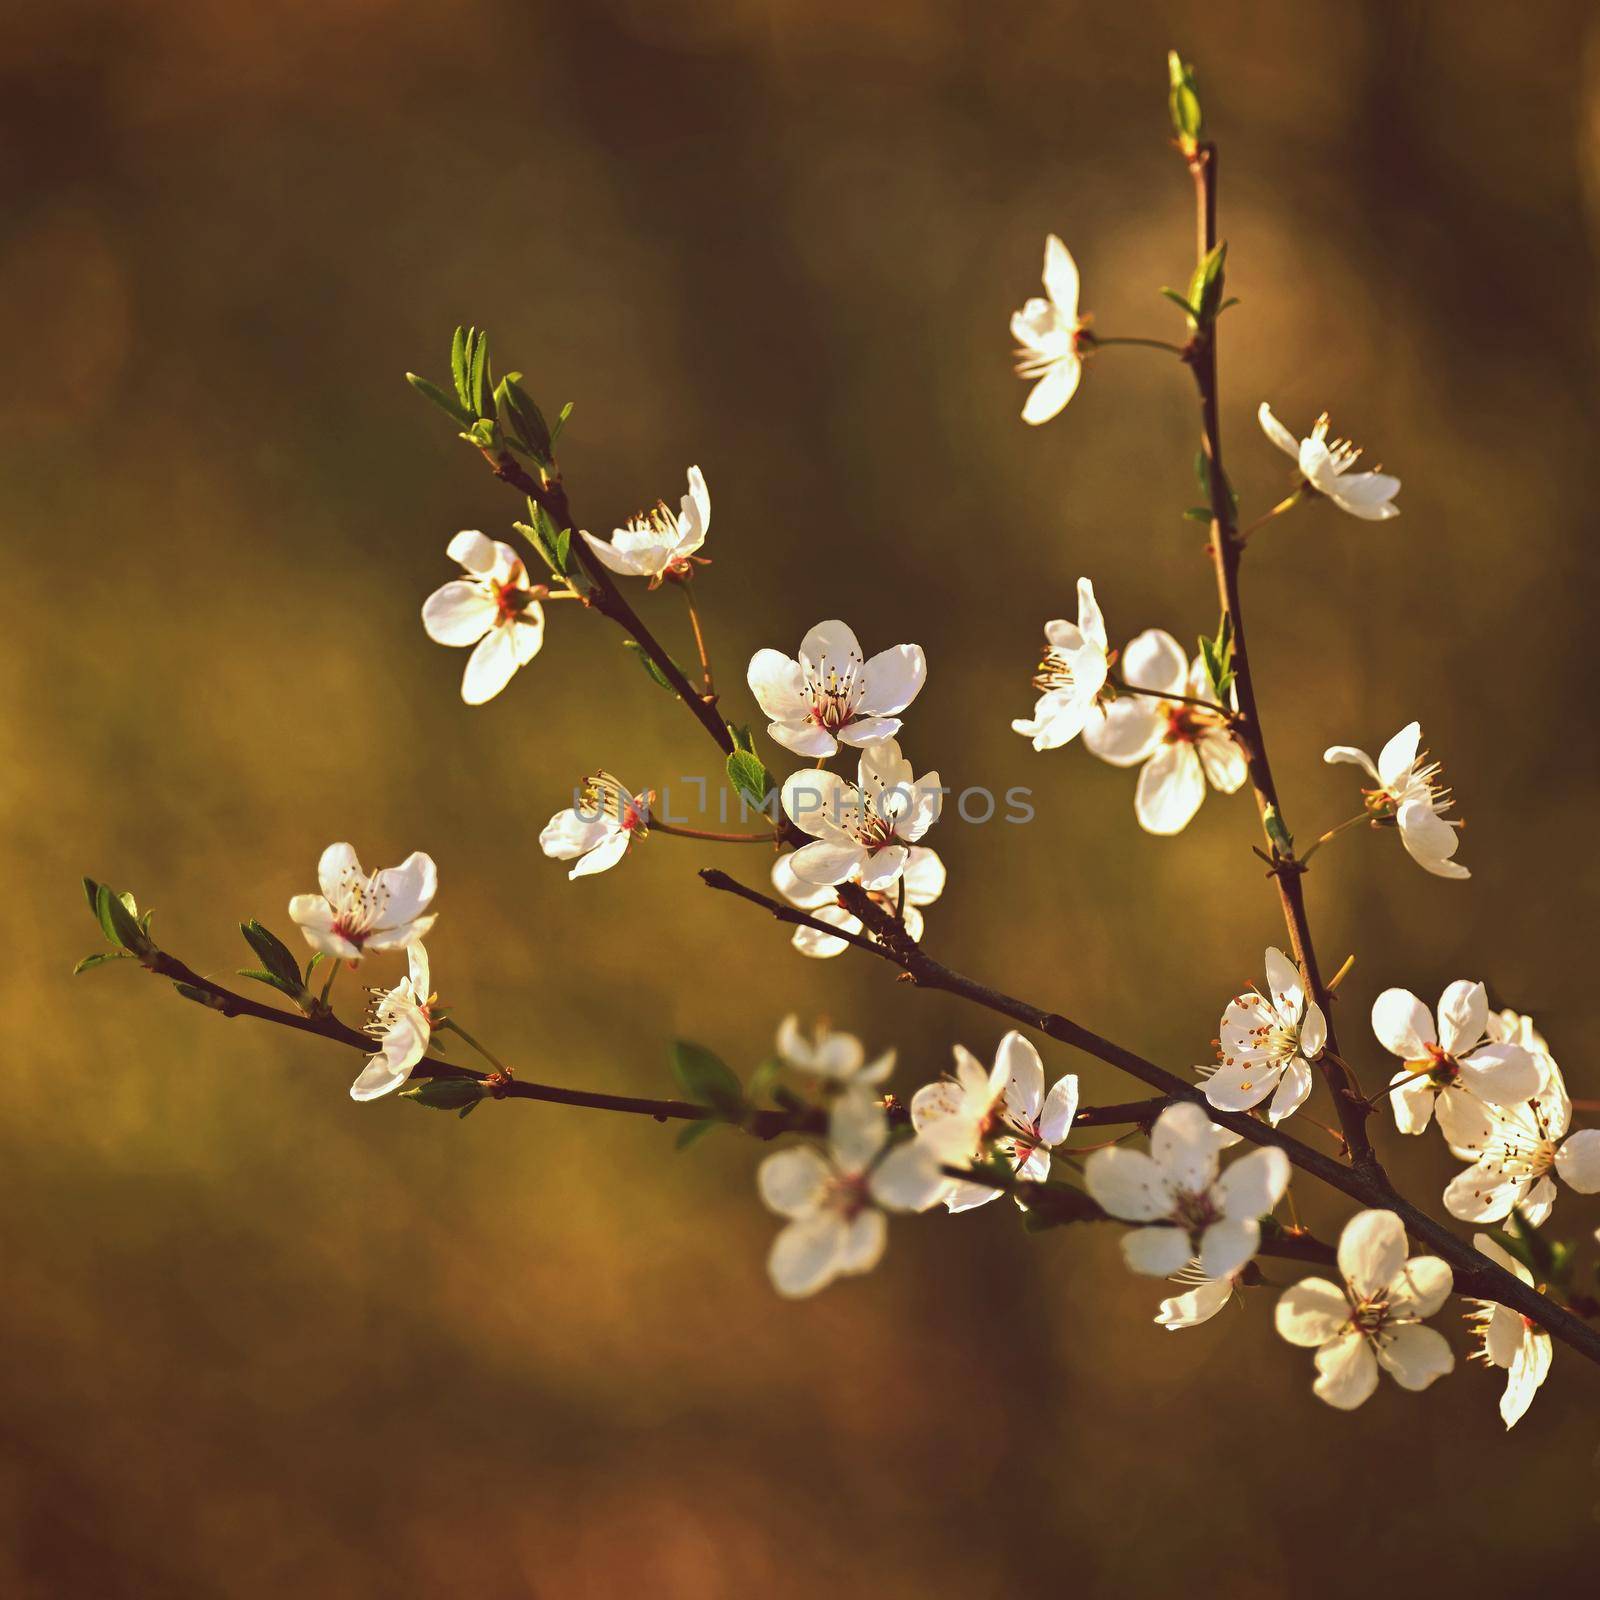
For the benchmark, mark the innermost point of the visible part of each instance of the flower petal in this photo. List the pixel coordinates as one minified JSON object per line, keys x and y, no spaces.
{"x":1156,"y":1252}
{"x":1311,"y":1312}
{"x":490,"y":666}
{"x":1347,"y":1372}
{"x":1252,"y":1186}
{"x":1415,"y":1356}
{"x":1128,"y":1184}
{"x":1171,"y":786}
{"x":1372,"y":1251}
{"x":1403,"y":1024}
{"x":459,"y":613}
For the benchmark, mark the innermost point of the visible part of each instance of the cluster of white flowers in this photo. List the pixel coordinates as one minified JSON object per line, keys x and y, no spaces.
{"x":836,"y":1191}
{"x":355,"y":915}
{"x":1488,"y":1080}
{"x":496,"y":610}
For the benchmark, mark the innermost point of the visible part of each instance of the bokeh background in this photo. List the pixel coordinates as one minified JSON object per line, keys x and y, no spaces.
{"x":260,"y":1337}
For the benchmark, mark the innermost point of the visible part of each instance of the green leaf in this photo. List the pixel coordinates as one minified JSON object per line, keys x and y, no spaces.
{"x":706,"y":1077}
{"x":479,"y":363}
{"x":274,"y":955}
{"x":553,"y":544}
{"x":446,"y":1094}
{"x":749,"y":776}
{"x":694,"y":1133}
{"x":1183,"y":103}
{"x":648,"y":665}
{"x":119,"y":920}
{"x":440,"y":399}
{"x":458,"y":370}
{"x":1198,"y":513}
{"x":1282,"y":839}
{"x":99,"y":959}
{"x":1182,"y":304}
{"x":1205,"y":287}
{"x":561,"y":422}
{"x":764,"y":1078}
{"x":272,"y":981}
{"x":92,"y":890}
{"x":201,"y":997}
{"x":311,"y":965}
{"x":522,"y":421}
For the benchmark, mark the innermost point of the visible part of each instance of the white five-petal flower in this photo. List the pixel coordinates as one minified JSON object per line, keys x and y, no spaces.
{"x":862,"y":832}
{"x":1267,"y":1044}
{"x":1510,"y":1340}
{"x":1071,"y":675}
{"x":1409,"y":794}
{"x":402,"y":1023}
{"x":835,"y":1198}
{"x":923,"y":880}
{"x":1185,"y":1209}
{"x":1180,"y":746}
{"x":1003,"y":1110}
{"x":356,"y":913}
{"x":656,"y":544}
{"x":1455,"y":1061}
{"x":1514,"y":1149}
{"x":830,"y":695}
{"x":1326,"y":468}
{"x":494,"y":608}
{"x":1375,"y":1318}
{"x":837,"y":1058}
{"x":1049,"y":334}
{"x":597,"y":831}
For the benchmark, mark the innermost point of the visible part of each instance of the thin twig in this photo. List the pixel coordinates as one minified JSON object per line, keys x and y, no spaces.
{"x":1226,"y":548}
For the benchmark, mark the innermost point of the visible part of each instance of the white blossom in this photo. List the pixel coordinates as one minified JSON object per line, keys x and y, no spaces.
{"x":1050,"y":336}
{"x":1186,"y":1210}
{"x":1072,"y":673}
{"x":861,"y":831}
{"x":835,"y":1197}
{"x":1514,"y":1150}
{"x":1200,"y":1302}
{"x":494,"y":608}
{"x":656,"y":544}
{"x":1002,"y":1110}
{"x":597,"y":832}
{"x":1179,"y":747}
{"x":356,"y":913}
{"x":1409,"y":794}
{"x":830,"y":695}
{"x":1509,"y":1340}
{"x":1375,"y":1318}
{"x":837,"y":1058}
{"x":923,"y":879}
{"x":402,"y":1023}
{"x":1326,"y":468}
{"x":1267,"y":1043}
{"x":1456,"y":1061}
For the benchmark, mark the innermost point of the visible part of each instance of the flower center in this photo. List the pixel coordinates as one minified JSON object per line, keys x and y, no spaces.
{"x":1370,"y":1317}
{"x":1055,"y":671}
{"x":1441,"y":1067}
{"x":511,"y":600}
{"x":834,"y":694}
{"x":1195,"y":1209}
{"x":847,"y":1194}
{"x":1187,"y":724}
{"x":358,"y":909}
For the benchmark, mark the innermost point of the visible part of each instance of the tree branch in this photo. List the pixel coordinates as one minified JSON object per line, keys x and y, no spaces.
{"x":1474,"y":1273}
{"x":1227,"y":549}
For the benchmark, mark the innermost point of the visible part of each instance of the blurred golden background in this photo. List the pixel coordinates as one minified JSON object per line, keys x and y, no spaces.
{"x":259,"y":1336}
